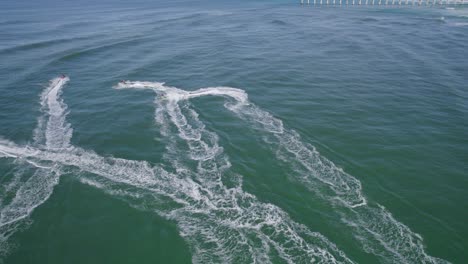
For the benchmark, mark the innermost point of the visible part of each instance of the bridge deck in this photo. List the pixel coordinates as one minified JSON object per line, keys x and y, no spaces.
{"x":433,"y":3}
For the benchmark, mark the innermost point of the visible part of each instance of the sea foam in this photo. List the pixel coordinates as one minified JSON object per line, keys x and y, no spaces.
{"x":220,"y":223}
{"x":371,"y":224}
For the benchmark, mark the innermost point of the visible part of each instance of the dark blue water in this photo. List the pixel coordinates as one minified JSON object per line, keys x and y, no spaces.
{"x":326,"y":134}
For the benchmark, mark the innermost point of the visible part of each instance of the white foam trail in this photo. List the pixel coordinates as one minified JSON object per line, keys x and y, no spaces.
{"x":378,"y":231}
{"x":206,"y":217}
{"x":203,"y":216}
{"x":346,"y":188}
{"x":39,"y":184}
{"x":31,"y":194}
{"x":221,"y":224}
{"x":138,"y":174}
{"x":175,"y":94}
{"x":57,"y":131}
{"x":226,"y":224}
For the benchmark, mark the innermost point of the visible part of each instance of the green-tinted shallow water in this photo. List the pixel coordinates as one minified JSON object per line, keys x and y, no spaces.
{"x":158,"y":175}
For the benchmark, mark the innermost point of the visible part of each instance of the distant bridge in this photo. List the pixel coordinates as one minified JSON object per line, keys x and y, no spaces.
{"x":428,"y":3}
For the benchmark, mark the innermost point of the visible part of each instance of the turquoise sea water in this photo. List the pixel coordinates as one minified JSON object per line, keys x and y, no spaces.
{"x":282,"y":133}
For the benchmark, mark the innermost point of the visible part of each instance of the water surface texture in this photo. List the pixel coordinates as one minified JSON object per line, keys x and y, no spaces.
{"x":247,"y":132}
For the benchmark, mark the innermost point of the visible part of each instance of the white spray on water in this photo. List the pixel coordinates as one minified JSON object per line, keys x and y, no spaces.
{"x":220,"y":223}
{"x":52,"y":133}
{"x":372,"y":225}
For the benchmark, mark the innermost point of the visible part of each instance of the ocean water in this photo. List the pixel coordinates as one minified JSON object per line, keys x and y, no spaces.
{"x":247,"y":132}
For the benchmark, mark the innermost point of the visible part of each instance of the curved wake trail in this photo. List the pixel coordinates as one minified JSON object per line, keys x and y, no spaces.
{"x":221,"y":223}
{"x":371,"y":224}
{"x":226,"y":224}
{"x":31,"y":192}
